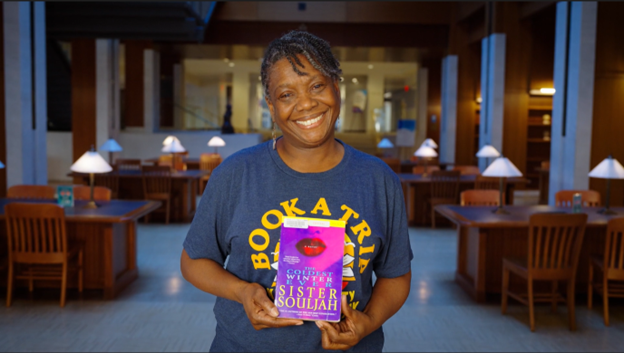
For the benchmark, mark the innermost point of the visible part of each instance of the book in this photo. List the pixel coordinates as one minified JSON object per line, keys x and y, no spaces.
{"x":309,"y":273}
{"x":65,"y":195}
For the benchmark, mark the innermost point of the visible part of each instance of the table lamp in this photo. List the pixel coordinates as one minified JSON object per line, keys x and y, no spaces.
{"x":174,"y":147}
{"x":169,"y":139}
{"x":488,"y":151}
{"x":385,"y":144}
{"x":92,"y":163}
{"x":501,"y":168}
{"x":608,"y":169}
{"x":430,"y":143}
{"x":216,"y":142}
{"x":425,"y":152}
{"x":1,"y":165}
{"x":111,"y":146}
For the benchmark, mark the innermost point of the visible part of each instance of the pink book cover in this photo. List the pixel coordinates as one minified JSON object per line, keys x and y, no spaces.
{"x":309,"y":275}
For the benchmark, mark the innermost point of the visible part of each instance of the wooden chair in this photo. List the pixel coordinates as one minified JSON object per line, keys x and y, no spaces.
{"x":488,"y":183}
{"x":467,"y":169}
{"x":420,"y":169}
{"x":100,"y":193}
{"x":32,"y":192}
{"x":157,"y":186}
{"x":178,"y":162}
{"x":37,"y":237}
{"x":589,"y":198}
{"x":207,"y":161}
{"x":393,"y":163}
{"x":128,"y":164}
{"x":611,"y":265}
{"x":109,"y":181}
{"x":555,"y":242}
{"x":444,"y":190}
{"x":479,"y":198}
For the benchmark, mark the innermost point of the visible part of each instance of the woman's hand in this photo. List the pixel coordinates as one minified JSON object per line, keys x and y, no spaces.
{"x":346,"y":333}
{"x":261,"y":311}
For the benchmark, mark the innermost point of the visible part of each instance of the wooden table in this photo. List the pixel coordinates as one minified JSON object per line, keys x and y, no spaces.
{"x":184,"y":188}
{"x":484,"y":238}
{"x":544,"y":180}
{"x":407,"y":166}
{"x":191,"y":163}
{"x":109,"y":237}
{"x":416,"y":189}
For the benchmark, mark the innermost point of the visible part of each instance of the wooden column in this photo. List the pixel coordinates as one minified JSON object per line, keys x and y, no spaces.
{"x":134,"y":91}
{"x":83,"y":79}
{"x":608,"y":106}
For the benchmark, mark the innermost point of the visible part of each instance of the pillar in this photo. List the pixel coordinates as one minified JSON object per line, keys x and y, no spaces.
{"x":240,"y":101}
{"x":448,"y":122}
{"x":178,"y":94}
{"x":493,"y":93}
{"x":575,"y":51}
{"x":375,"y":98}
{"x":25,"y":113}
{"x":107,"y":92}
{"x":421,"y":117}
{"x":151,"y":90}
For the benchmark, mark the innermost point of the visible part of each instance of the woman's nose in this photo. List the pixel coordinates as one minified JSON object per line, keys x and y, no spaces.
{"x":306,"y":102}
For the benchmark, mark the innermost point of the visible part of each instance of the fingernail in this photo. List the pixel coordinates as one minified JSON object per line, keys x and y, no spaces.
{"x":299,"y":324}
{"x":317,"y":324}
{"x":274,"y":312}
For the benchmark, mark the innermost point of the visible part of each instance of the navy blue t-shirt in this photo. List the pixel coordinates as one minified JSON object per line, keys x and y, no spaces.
{"x":239,"y":217}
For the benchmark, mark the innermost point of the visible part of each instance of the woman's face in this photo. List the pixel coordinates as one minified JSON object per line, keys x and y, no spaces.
{"x":304,"y":107}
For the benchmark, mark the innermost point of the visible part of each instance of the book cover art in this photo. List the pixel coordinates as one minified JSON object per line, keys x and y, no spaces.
{"x":65,"y":195}
{"x":309,"y":275}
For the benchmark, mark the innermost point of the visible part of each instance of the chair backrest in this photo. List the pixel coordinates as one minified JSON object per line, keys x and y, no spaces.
{"x":36,"y":232}
{"x":489,"y":183}
{"x":178,"y":161}
{"x":589,"y":198}
{"x":156,"y":180}
{"x":128,"y":164}
{"x":393,"y":163}
{"x":31,"y":192}
{"x":445,"y":184}
{"x":209,"y":161}
{"x":109,"y":181}
{"x":100,"y":193}
{"x":420,"y":169}
{"x":479,"y":198}
{"x":555,"y":242}
{"x":614,"y":249}
{"x":467,"y":169}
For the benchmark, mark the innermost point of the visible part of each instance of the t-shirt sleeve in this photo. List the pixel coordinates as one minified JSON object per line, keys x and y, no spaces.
{"x":206,"y":239}
{"x":395,"y":254}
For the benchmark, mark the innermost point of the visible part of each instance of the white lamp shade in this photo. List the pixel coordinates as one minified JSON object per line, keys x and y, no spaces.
{"x":169,"y":139}
{"x":425,"y":151}
{"x":91,"y":162}
{"x":111,"y":146}
{"x":174,"y":147}
{"x":385,"y":143}
{"x":216,"y":141}
{"x":488,"y":151}
{"x":430,"y":143}
{"x":1,"y":165}
{"x":501,"y":167}
{"x":609,"y":168}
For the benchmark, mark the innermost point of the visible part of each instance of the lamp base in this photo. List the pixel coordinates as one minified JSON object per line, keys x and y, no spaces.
{"x":91,"y":205}
{"x":607,"y":211}
{"x":500,"y":210}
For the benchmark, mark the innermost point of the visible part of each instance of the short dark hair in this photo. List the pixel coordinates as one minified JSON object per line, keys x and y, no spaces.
{"x":315,"y":49}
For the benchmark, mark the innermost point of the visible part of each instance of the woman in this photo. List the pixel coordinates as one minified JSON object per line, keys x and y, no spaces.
{"x":307,"y":173}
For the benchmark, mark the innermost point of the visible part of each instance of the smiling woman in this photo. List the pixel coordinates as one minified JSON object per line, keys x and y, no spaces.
{"x":306,"y":172}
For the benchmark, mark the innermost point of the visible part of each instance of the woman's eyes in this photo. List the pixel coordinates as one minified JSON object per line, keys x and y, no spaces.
{"x":318,"y":86}
{"x":315,"y":87}
{"x":285,"y":96}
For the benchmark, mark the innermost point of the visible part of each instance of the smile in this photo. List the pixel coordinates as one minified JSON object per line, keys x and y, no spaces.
{"x":311,"y":246}
{"x":310,"y":122}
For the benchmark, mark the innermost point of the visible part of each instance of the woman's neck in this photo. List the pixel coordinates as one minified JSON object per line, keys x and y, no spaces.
{"x":311,"y":160}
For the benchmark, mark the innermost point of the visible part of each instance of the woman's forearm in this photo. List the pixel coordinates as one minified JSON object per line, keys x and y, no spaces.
{"x":211,"y":277}
{"x":389,"y":294}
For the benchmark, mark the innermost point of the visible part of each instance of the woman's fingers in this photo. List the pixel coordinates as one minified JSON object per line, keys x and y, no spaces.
{"x":330,"y":337}
{"x":262,"y":300}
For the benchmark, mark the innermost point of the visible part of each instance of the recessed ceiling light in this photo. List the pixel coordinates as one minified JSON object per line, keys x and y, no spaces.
{"x":354,"y":80}
{"x":370,"y":66}
{"x":231,"y":64}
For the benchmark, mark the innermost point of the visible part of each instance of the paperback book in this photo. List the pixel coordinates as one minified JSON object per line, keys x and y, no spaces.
{"x":65,"y":195}
{"x":309,"y":276}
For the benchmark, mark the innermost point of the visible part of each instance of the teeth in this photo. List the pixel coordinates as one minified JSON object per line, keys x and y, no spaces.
{"x":310,"y":121}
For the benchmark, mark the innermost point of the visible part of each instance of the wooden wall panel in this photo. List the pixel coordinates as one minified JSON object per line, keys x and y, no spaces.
{"x":133,"y":110}
{"x":608,"y":111}
{"x":83,"y":81}
{"x":3,"y":154}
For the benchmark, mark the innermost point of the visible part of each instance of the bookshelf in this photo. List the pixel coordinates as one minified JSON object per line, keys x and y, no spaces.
{"x":538,"y":137}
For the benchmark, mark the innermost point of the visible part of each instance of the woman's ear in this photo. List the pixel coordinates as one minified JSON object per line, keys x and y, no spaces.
{"x":270,"y":105}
